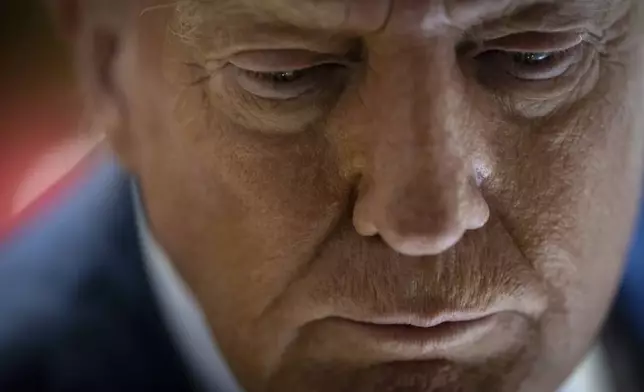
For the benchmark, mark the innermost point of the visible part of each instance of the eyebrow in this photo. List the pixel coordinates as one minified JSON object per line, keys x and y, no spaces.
{"x":340,"y":15}
{"x":556,"y":16}
{"x":221,"y":27}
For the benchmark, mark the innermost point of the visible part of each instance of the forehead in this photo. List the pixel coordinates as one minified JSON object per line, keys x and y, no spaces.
{"x":370,"y":15}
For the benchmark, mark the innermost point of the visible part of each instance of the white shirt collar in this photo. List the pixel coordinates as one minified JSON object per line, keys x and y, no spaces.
{"x":192,"y":336}
{"x":592,"y":375}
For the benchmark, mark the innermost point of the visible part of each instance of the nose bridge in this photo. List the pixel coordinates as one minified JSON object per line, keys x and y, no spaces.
{"x":418,"y":132}
{"x":419,"y":193}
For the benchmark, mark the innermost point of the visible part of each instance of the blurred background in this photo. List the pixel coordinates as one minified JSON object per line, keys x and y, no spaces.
{"x":43,"y":146}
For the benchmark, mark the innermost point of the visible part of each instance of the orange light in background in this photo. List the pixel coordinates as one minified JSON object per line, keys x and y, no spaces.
{"x":42,"y":147}
{"x":41,"y":142}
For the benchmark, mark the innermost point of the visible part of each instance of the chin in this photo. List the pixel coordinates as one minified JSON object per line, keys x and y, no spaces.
{"x":495,"y":375}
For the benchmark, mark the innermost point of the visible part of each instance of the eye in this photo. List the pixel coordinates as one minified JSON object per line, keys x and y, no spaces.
{"x":532,"y":58}
{"x":531,"y":66}
{"x":286,"y":84}
{"x":281,"y":77}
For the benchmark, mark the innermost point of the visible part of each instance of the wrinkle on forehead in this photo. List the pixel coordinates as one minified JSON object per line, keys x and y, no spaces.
{"x":351,"y":15}
{"x":533,"y":14}
{"x":461,"y":13}
{"x":346,"y":15}
{"x":429,"y":16}
{"x":589,"y":16}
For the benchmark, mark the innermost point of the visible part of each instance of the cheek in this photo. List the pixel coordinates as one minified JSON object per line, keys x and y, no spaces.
{"x":238,"y":210}
{"x":567,"y":190}
{"x":257,"y":205}
{"x":287,"y":188}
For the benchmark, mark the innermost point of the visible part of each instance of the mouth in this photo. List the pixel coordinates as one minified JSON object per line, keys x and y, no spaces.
{"x":431,"y":334}
{"x":454,"y":336}
{"x":442,"y":320}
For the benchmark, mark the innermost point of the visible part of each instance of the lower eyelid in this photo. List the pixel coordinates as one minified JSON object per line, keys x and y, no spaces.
{"x":269,"y":114}
{"x":520,"y":96}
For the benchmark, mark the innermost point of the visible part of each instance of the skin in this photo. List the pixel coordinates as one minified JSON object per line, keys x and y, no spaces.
{"x":423,"y":175}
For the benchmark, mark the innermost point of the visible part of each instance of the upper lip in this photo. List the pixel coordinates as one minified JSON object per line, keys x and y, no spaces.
{"x":423,"y":315}
{"x":425,"y":321}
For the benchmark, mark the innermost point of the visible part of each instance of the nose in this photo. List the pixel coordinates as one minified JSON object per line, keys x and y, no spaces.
{"x":418,"y":216}
{"x":419,"y":189}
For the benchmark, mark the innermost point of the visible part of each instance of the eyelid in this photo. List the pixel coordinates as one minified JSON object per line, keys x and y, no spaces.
{"x":553,"y":68}
{"x":316,"y":79}
{"x":531,"y":42}
{"x":266,"y":61}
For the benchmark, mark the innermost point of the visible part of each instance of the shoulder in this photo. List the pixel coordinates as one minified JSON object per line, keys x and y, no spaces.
{"x":623,"y":335}
{"x":46,"y":262}
{"x":74,"y":297}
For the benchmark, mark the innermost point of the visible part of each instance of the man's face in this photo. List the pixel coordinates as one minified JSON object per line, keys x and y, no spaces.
{"x":407,"y":195}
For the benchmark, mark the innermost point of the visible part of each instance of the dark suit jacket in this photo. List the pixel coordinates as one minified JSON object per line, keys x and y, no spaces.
{"x":77,"y":312}
{"x":76,"y":309}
